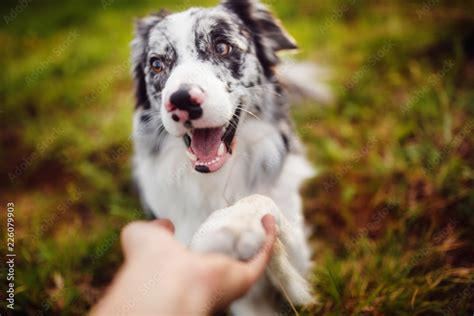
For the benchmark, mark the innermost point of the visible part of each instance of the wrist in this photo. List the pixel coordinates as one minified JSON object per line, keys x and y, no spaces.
{"x":173,"y":287}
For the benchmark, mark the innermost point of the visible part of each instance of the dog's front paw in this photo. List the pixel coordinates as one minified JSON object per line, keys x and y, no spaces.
{"x":236,"y":231}
{"x":236,"y":238}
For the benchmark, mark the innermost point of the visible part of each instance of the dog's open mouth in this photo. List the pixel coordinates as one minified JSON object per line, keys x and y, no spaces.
{"x":210,"y":148}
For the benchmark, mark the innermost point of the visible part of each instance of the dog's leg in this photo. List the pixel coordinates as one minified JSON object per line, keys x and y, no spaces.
{"x":237,"y":231}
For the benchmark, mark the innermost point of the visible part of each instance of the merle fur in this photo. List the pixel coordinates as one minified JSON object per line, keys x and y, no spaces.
{"x":265,"y":36}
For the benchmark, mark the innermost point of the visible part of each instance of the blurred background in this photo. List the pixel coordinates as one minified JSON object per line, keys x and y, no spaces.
{"x":392,"y":209}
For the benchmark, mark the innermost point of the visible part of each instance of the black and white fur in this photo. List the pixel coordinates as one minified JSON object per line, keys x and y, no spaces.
{"x":267,"y":158}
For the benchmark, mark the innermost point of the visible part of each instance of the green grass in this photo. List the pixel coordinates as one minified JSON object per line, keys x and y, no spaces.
{"x":392,"y":206}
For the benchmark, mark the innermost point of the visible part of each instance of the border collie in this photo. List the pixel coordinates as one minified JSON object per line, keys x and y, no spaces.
{"x":211,"y":127}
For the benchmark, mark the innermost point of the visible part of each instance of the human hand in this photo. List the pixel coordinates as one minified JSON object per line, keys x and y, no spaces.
{"x":161,"y":277}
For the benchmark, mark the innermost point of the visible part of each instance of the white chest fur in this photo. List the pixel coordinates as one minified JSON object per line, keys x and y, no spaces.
{"x":174,"y":190}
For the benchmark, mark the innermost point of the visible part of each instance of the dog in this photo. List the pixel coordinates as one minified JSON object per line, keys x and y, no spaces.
{"x":212,"y":127}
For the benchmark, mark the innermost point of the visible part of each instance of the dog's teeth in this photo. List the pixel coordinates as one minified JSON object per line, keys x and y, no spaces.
{"x":206,"y":163}
{"x":191,"y":156}
{"x":221,"y":149}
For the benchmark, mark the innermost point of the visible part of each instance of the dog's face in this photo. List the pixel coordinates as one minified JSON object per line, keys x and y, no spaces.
{"x":196,"y":68}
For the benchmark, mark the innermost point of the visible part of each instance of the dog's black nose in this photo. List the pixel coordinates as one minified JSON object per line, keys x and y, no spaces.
{"x":182,"y":100}
{"x":187,"y":99}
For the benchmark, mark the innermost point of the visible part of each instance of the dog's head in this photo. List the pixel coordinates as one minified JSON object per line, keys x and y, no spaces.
{"x":196,"y":68}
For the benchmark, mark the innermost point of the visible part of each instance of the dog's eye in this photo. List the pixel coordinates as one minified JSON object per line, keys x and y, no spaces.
{"x":157,"y":65}
{"x":223,"y":49}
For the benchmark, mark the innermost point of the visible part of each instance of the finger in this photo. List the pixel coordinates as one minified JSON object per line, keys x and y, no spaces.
{"x":240,"y":276}
{"x":256,"y":266}
{"x":132,"y":236}
{"x":166,"y":224}
{"x":268,"y":222}
{"x":139,"y":235}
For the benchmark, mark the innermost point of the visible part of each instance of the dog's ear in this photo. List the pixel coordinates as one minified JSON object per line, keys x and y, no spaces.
{"x":265,"y":27}
{"x":139,"y":47}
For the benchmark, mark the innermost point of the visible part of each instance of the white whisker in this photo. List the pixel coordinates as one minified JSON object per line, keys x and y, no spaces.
{"x":249,"y":112}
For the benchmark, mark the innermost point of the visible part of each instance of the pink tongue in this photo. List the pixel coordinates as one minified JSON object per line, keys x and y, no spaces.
{"x":205,"y":142}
